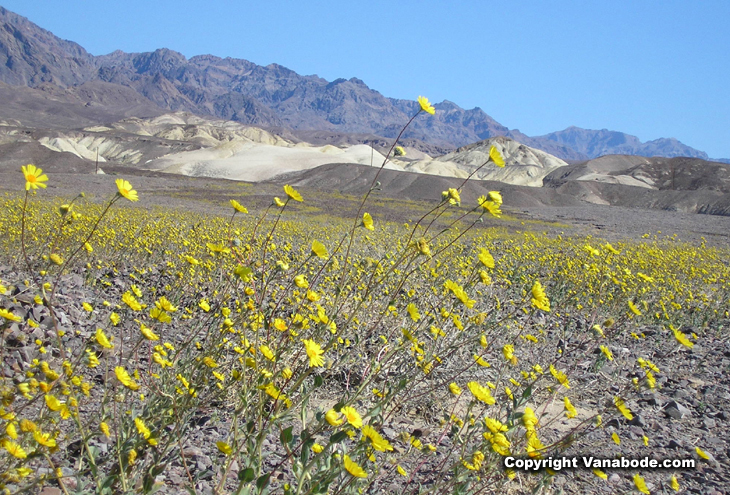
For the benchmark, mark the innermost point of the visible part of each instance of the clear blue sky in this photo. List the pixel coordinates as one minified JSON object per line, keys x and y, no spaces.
{"x":653,"y":68}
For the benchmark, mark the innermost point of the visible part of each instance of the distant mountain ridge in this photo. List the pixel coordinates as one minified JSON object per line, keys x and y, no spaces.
{"x":272,"y":96}
{"x":595,"y":143}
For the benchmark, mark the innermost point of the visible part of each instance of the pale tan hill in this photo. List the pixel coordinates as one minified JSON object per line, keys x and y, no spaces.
{"x":187,"y":144}
{"x":524,"y":165}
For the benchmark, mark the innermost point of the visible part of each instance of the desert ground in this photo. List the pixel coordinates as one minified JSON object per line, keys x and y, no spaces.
{"x":686,"y":409}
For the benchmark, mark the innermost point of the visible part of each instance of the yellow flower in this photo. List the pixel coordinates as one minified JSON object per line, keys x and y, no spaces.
{"x":318,"y":249}
{"x":237,"y":206}
{"x":425,"y":105}
{"x":93,"y":361}
{"x":422,"y":246}
{"x":529,"y":419}
{"x":480,"y":361}
{"x":495,"y":197}
{"x":401,"y":471}
{"x":494,"y":425}
{"x":165,"y":305}
{"x":616,"y":438}
{"x":278,"y":202}
{"x":486,"y":258}
{"x":352,"y":416}
{"x":301,"y":281}
{"x":333,"y":418}
{"x":125,"y":379}
{"x":126,"y":191}
{"x":27,"y":426}
{"x":674,"y":483}
{"x":102,"y":339}
{"x":413,"y":312}
{"x":560,"y":376}
{"x":619,"y":402}
{"x":34,"y":177}
{"x":353,"y":468}
{"x":293,"y":193}
{"x":634,"y":309}
{"x":104,"y":429}
{"x":129,"y":300}
{"x":280,"y":324}
{"x":148,"y":333}
{"x":142,"y":428}
{"x":454,"y":388}
{"x":600,"y":474}
{"x":268,"y":354}
{"x":56,"y":259}
{"x":367,"y":221}
{"x":87,"y":307}
{"x":224,"y":448}
{"x":453,"y":196}
{"x":4,"y":313}
{"x":570,"y":411}
{"x":44,"y":439}
{"x":317,"y":448}
{"x":379,"y":443}
{"x":489,"y":206}
{"x":640,"y":484}
{"x":14,"y":449}
{"x":481,"y":393}
{"x":314,"y":352}
{"x":11,"y":430}
{"x":476,"y":461}
{"x":681,"y":338}
{"x":496,"y":156}
{"x":53,"y":403}
{"x":509,"y":353}
{"x":702,"y":453}
{"x":539,"y":298}
{"x":607,"y":352}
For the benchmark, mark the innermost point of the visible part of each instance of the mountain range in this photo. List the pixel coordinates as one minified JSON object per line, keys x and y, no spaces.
{"x":41,"y":70}
{"x":146,"y":84}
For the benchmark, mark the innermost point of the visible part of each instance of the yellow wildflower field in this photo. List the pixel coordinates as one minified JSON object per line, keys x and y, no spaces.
{"x":271,"y":350}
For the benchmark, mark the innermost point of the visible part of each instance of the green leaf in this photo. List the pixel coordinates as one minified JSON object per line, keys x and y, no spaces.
{"x":263,"y":481}
{"x":286,"y":436}
{"x":147,"y":483}
{"x":250,"y":426}
{"x":246,"y":475}
{"x":527,"y":392}
{"x":318,"y":381}
{"x":338,"y":437}
{"x":307,"y":450}
{"x":338,"y":407}
{"x":157,"y":470}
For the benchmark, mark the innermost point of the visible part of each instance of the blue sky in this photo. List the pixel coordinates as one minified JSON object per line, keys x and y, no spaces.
{"x":649,"y":68}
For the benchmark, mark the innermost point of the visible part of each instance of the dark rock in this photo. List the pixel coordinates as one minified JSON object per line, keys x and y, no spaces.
{"x":675,"y":444}
{"x":638,"y":420}
{"x":675,"y":410}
